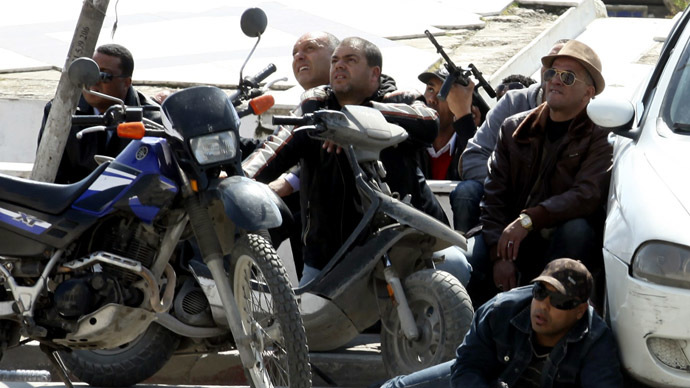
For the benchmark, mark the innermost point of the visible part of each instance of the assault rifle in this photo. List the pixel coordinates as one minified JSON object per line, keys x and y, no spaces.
{"x":461,"y":76}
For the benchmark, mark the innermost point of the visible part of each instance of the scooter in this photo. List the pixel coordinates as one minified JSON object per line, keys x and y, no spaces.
{"x":91,"y":271}
{"x":384,"y":270}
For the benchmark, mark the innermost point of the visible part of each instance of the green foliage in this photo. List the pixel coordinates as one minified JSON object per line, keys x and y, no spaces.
{"x":675,"y":6}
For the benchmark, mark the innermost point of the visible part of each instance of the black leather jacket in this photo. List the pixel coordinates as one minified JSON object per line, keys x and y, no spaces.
{"x":327,"y":189}
{"x":78,"y":157}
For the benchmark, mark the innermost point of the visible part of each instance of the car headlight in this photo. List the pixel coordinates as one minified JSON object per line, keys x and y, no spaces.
{"x":214,"y":148}
{"x":663,"y":263}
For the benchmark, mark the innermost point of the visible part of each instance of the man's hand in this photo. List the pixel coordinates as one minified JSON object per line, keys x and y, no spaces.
{"x":460,"y":99}
{"x":505,"y":275}
{"x":329,"y":146}
{"x":281,"y":187}
{"x":509,"y":242}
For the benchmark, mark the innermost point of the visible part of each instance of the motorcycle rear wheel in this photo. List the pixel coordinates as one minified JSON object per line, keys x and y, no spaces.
{"x":270,"y":315}
{"x":443,"y":312}
{"x":124,"y":366}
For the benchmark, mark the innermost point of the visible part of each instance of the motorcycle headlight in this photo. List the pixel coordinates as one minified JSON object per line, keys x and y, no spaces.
{"x":214,"y":148}
{"x":663,"y":263}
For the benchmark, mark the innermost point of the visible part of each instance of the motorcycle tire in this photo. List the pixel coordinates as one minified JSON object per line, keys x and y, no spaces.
{"x":126,"y":365}
{"x":269,"y":312}
{"x":443,"y":312}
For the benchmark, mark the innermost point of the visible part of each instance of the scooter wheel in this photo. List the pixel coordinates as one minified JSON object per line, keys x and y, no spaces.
{"x":443,"y":312}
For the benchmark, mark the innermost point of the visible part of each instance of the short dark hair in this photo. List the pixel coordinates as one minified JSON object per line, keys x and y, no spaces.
{"x":524,"y":80}
{"x":371,"y":51}
{"x":119,"y":51}
{"x":331,"y":40}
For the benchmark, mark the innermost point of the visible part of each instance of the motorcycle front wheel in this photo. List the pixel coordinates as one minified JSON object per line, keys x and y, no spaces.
{"x":270,"y":315}
{"x":443,"y":313}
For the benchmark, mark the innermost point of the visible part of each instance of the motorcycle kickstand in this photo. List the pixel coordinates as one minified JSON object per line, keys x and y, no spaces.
{"x":57,"y":364}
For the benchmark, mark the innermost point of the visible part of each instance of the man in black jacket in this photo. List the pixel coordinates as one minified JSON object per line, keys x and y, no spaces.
{"x":116,"y":65}
{"x":329,"y":212}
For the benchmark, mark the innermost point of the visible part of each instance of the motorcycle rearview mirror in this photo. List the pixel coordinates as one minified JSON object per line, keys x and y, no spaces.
{"x":253,"y":22}
{"x":83,"y":72}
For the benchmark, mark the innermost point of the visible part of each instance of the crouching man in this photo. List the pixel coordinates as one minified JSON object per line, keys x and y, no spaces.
{"x":541,"y":335}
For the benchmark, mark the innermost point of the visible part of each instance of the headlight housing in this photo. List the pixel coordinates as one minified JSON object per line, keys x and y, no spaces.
{"x":663,"y":263}
{"x":214,"y":147}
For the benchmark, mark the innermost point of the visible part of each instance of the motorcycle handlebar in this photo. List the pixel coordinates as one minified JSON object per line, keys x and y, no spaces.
{"x":88,"y":120}
{"x":260,"y":76}
{"x":291,"y":120}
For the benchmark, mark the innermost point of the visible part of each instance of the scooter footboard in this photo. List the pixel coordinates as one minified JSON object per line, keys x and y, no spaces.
{"x":350,"y":284}
{"x":326,"y":325}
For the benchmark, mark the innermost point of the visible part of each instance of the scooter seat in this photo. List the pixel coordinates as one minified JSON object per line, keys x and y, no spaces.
{"x":48,"y":198}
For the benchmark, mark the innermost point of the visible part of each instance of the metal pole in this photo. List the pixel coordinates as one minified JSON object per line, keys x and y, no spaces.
{"x":67,"y":95}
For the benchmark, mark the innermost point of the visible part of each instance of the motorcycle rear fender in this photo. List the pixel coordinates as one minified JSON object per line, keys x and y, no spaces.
{"x":408,"y":215}
{"x":249,"y":204}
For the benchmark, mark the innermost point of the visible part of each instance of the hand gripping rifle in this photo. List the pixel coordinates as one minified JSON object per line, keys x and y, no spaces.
{"x":461,"y":76}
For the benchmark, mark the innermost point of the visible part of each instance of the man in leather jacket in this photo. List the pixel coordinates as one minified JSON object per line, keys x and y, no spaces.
{"x":548,"y":176}
{"x":329,"y":211}
{"x":116,"y":65}
{"x":542,"y":335}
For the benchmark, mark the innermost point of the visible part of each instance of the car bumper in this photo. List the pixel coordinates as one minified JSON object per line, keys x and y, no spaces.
{"x":652,"y":326}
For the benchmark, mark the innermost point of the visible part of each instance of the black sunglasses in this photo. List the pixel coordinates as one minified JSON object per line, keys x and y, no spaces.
{"x":107,"y":77}
{"x":509,"y":86}
{"x":567,"y":77}
{"x":557,"y":300}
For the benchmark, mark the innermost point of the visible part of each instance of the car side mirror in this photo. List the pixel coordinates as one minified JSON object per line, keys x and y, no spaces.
{"x":615,"y":114}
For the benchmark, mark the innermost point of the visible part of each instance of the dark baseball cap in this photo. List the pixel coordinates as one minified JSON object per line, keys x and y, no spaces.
{"x":570,"y":277}
{"x":441,"y":73}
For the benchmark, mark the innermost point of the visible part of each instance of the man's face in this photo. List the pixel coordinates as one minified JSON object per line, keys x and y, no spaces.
{"x":116,"y":87}
{"x":352,"y":79}
{"x":573,"y":98}
{"x":554,"y":50}
{"x":551,"y":324}
{"x":311,"y":60}
{"x":433,"y":86}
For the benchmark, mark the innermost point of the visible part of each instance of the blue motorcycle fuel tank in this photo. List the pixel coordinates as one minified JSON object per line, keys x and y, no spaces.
{"x":137,"y":181}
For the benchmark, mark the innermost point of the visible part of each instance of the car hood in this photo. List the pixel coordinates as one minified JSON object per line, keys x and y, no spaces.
{"x":670,"y":164}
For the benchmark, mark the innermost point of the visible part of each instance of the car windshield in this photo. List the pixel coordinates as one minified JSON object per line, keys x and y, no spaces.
{"x":675,"y":108}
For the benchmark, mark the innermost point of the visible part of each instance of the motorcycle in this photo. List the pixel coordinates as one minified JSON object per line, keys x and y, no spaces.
{"x":93,"y":270}
{"x":385,"y":269}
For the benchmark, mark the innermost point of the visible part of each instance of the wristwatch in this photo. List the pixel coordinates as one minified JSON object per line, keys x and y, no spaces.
{"x":525,"y":221}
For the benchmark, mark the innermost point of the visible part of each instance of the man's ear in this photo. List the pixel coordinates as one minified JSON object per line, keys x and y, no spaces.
{"x":582,"y":309}
{"x":376,"y":72}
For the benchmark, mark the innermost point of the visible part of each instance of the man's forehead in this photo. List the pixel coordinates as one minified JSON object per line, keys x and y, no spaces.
{"x":347,"y":51}
{"x":565,"y":63}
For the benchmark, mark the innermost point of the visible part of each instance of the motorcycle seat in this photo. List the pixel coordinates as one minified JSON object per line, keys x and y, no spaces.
{"x":45,"y":197}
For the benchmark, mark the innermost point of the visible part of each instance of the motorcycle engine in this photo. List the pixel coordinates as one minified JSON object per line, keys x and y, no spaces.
{"x":87,"y":291}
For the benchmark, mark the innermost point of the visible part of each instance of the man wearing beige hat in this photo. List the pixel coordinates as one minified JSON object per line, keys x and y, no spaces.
{"x":541,"y":335}
{"x":548,"y":175}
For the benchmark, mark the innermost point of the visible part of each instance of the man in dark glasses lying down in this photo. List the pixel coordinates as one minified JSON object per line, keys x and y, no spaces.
{"x":541,"y":335}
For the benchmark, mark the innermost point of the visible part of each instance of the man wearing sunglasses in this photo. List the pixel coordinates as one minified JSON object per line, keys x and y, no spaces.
{"x":548,"y":175}
{"x":116,"y":64}
{"x":541,"y":335}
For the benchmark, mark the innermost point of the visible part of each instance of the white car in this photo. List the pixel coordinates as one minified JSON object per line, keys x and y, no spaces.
{"x":647,"y":235}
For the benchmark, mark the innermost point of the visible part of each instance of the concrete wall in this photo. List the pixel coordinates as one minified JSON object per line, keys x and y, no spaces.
{"x":20,"y":121}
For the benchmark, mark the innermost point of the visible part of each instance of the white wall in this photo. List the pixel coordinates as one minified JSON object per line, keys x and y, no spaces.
{"x":20,"y":121}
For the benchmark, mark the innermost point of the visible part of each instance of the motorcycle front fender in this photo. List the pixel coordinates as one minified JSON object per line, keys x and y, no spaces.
{"x":251,"y":205}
